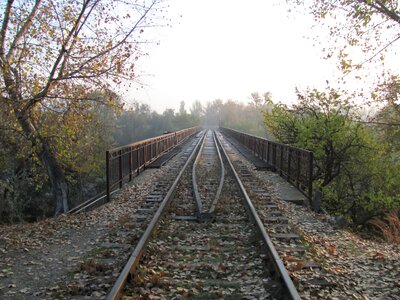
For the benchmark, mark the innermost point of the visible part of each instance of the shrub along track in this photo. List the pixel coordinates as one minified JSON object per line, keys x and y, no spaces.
{"x":225,"y":258}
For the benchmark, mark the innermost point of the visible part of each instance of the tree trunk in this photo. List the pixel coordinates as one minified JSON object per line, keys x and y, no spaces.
{"x":49,"y":161}
{"x":40,"y":145}
{"x":57,"y":179}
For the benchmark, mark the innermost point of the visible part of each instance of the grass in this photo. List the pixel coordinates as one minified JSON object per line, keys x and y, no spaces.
{"x":389,"y":226}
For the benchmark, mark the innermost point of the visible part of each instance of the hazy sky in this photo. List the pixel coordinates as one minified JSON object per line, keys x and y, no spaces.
{"x":222,"y":49}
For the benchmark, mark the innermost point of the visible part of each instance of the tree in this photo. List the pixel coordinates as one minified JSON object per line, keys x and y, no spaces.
{"x":367,"y":27}
{"x":53,"y":55}
{"x":358,"y":178}
{"x":197,"y":109}
{"x":236,"y":115}
{"x":212,"y":113}
{"x":258,"y":101}
{"x":168,"y":119}
{"x":320,"y":122}
{"x":182,"y":110}
{"x":183,"y":119}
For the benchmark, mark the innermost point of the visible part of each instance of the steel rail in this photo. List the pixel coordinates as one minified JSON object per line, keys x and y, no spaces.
{"x":135,"y":257}
{"x":222,"y":178}
{"x":199,"y":207}
{"x":290,"y":289}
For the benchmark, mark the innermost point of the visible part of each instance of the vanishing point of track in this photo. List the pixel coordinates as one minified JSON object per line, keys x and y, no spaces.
{"x":201,"y":243}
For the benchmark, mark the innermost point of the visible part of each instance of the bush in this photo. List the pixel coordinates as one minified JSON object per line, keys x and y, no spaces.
{"x":356,"y":170}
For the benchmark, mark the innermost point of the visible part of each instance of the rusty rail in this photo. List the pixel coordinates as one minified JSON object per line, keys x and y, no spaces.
{"x":289,"y":290}
{"x":293,"y":164}
{"x":124,"y":162}
{"x":134,"y":259}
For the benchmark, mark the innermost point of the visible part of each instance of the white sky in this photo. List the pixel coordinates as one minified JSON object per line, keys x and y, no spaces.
{"x":227,"y":49}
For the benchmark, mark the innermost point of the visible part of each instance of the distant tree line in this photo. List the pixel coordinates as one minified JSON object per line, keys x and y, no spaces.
{"x":139,"y":121}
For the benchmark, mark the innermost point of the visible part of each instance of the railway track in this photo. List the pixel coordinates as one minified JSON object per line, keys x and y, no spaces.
{"x":285,"y":236}
{"x":228,"y":257}
{"x":208,"y":175}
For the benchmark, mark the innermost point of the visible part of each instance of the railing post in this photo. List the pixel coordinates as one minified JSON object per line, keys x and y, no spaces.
{"x":108,"y":175}
{"x":298,"y":168}
{"x":259,"y":152}
{"x":144,"y":155}
{"x":289,"y":162}
{"x":310,"y":173}
{"x":120,"y":168}
{"x":274,"y":146}
{"x":263,"y":151}
{"x":130,"y":163}
{"x":137,"y":161}
{"x":149,"y":151}
{"x":281,"y":160}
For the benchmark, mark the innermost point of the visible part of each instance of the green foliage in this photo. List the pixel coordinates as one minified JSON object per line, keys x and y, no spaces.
{"x":352,"y":166}
{"x":282,"y":123}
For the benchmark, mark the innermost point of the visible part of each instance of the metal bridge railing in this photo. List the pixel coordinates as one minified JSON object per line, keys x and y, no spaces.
{"x":293,"y":164}
{"x":124,"y":162}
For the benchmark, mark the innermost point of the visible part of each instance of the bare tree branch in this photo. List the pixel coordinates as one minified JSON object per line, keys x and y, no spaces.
{"x":381,"y":50}
{"x":62,"y":52}
{"x":24,"y":28}
{"x":104,"y":52}
{"x":4,"y":27}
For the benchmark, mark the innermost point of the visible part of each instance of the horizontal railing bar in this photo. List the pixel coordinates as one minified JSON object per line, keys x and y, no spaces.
{"x":154,"y":139}
{"x":269,"y":141}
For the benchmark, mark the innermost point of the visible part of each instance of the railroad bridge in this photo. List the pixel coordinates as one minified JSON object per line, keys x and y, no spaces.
{"x":201,"y":213}
{"x":293,"y":164}
{"x":211,"y":153}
